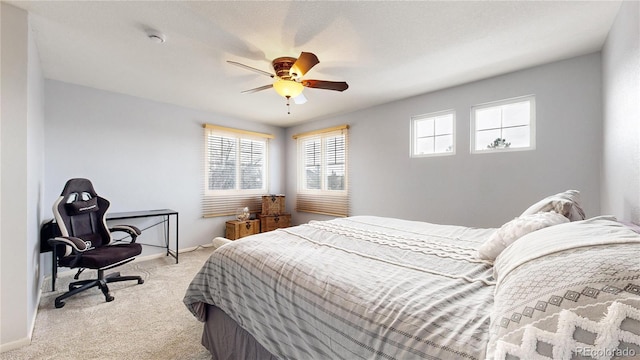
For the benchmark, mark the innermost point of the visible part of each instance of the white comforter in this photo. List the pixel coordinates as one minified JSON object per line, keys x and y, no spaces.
{"x":355,"y":288}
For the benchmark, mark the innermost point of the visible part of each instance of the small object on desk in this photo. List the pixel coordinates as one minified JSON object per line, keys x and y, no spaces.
{"x":273,"y":204}
{"x":272,"y":222}
{"x":237,"y":229}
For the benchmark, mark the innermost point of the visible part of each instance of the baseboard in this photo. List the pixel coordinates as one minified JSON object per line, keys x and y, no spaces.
{"x":35,"y":313}
{"x":163,"y":254}
{"x":27,"y":340}
{"x":15,"y":344}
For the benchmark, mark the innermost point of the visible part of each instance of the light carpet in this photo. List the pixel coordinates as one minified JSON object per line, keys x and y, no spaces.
{"x":147,"y":321}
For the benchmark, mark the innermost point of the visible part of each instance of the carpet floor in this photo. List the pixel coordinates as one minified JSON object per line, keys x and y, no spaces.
{"x":147,"y":321}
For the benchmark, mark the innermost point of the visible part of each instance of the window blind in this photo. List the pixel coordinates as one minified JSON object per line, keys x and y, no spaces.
{"x":235,"y":170}
{"x":323,"y":172}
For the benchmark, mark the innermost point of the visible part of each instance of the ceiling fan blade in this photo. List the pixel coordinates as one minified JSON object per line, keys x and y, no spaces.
{"x":251,"y":91}
{"x":327,"y":85}
{"x":300,"y":99}
{"x":305,"y":62}
{"x":251,"y":68}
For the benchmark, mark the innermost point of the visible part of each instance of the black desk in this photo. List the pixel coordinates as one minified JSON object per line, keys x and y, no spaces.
{"x":164,"y":213}
{"x":48,"y":230}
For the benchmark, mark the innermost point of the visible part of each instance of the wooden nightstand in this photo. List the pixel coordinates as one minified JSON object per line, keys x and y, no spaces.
{"x":237,"y":229}
{"x":272,"y":222}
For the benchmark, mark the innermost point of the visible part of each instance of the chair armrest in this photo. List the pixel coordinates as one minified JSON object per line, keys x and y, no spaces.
{"x":129,"y":229}
{"x":77,"y":244}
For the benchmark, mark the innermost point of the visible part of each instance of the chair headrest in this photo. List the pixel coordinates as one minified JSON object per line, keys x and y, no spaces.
{"x":82,"y":206}
{"x":79,"y":197}
{"x":78,"y":186}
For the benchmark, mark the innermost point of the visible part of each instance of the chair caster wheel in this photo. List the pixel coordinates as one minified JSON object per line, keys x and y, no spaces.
{"x":109,"y":298}
{"x":140,"y":281}
{"x":59,"y":304}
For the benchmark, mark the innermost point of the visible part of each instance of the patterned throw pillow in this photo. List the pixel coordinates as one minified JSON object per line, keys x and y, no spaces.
{"x":515,"y":229}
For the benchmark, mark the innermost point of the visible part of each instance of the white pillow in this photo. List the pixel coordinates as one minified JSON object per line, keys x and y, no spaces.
{"x":565,"y":203}
{"x":515,"y":229}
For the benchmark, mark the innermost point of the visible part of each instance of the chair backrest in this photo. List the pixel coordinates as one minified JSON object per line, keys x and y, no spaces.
{"x":80,"y":212}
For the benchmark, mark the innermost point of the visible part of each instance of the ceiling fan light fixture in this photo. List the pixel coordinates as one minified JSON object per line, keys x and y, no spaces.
{"x":288,"y":88}
{"x":288,"y":78}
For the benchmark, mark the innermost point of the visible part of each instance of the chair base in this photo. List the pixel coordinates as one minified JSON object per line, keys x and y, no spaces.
{"x":101,"y":282}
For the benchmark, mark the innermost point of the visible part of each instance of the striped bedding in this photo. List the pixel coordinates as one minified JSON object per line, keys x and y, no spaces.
{"x":355,"y":288}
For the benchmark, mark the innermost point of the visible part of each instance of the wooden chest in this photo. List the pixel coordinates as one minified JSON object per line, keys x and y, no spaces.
{"x":237,"y":229}
{"x":272,"y":222}
{"x":273,"y":204}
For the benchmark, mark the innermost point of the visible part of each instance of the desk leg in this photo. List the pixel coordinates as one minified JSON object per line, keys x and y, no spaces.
{"x":167,"y":236}
{"x":176,"y":238}
{"x":167,"y":227}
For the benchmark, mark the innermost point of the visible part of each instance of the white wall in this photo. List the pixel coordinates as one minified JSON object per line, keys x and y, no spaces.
{"x":139,"y":154}
{"x":483,"y":190}
{"x":621,"y":90}
{"x":35,"y":178}
{"x":21,"y":146}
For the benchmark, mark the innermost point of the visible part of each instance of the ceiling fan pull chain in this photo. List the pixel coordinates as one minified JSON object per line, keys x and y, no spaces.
{"x":288,"y":106}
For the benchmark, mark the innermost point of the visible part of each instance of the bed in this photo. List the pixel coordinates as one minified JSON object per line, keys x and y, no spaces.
{"x":365,"y":287}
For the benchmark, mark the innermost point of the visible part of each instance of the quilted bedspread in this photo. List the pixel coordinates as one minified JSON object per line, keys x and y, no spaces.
{"x":570,"y":291}
{"x":355,"y":288}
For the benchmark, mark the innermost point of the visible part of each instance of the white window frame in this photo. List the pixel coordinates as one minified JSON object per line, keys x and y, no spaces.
{"x":323,"y":166}
{"x":414,"y":136}
{"x":221,"y":202}
{"x":499,"y":103}
{"x":322,"y":201}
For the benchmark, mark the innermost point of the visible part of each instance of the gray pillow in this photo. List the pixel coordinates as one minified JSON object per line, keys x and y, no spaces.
{"x":565,"y":203}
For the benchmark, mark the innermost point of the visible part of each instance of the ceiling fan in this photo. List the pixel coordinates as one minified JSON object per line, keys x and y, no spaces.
{"x":288,"y":77}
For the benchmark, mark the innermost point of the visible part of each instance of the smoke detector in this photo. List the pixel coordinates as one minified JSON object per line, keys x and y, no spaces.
{"x":156,"y":36}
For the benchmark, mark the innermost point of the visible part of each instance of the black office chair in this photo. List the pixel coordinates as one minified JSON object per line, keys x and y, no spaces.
{"x":85,"y":241}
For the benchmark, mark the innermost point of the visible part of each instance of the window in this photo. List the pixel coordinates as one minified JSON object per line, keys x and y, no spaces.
{"x":503,"y":125}
{"x":235,"y":170}
{"x":433,"y":134}
{"x":322,"y":171}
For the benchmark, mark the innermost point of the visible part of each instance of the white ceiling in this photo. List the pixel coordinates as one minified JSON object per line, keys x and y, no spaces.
{"x":385,"y":50}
